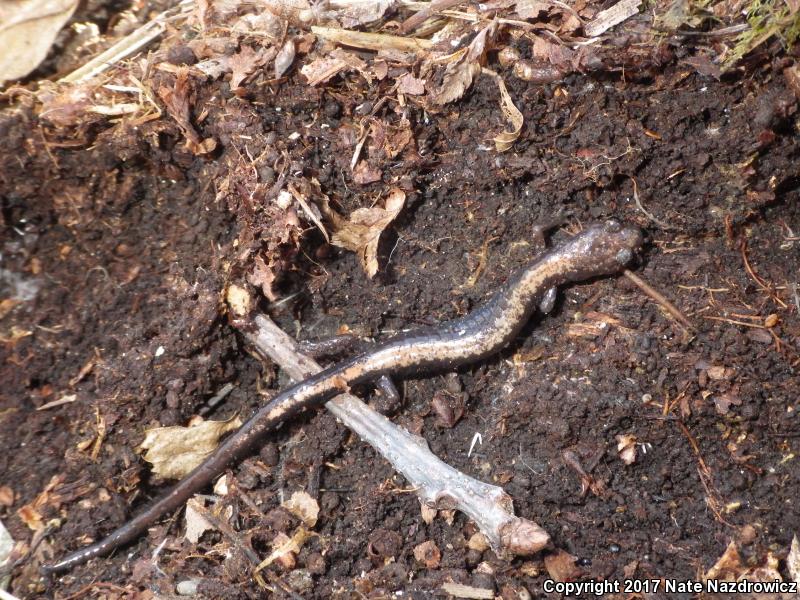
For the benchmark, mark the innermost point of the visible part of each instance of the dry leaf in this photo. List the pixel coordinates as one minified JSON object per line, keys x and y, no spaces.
{"x":408,"y":84}
{"x":396,"y":139}
{"x":285,"y":547}
{"x":380,"y":69}
{"x":723,"y":402}
{"x":304,"y":507}
{"x":459,"y":75}
{"x":263,"y":276}
{"x":30,"y":513}
{"x":360,"y":12}
{"x":531,"y":9}
{"x":729,"y":567}
{"x":177,"y":101}
{"x":27,"y":30}
{"x":246,"y":61}
{"x":766,"y":572}
{"x":323,"y":69}
{"x":285,"y":58}
{"x":31,"y":517}
{"x":718,"y":373}
{"x":679,"y":12}
{"x":428,"y":513}
{"x":561,"y":566}
{"x":506,"y":139}
{"x":362,"y":231}
{"x":175,"y":451}
{"x":196,"y":523}
{"x":793,"y":561}
{"x":214,"y":67}
{"x":555,"y":54}
{"x":457,"y":79}
{"x":264,"y":23}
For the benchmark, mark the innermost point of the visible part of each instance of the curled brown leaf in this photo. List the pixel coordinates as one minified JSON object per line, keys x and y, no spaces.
{"x":361,"y":232}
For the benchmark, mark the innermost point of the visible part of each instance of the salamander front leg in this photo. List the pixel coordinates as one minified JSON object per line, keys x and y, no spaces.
{"x":341,"y":345}
{"x":539,"y":240}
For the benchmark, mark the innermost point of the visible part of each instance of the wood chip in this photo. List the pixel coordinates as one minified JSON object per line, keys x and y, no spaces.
{"x":460,"y":590}
{"x":614,"y":15}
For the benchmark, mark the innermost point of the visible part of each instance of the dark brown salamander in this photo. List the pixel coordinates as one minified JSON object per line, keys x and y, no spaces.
{"x":601,"y":249}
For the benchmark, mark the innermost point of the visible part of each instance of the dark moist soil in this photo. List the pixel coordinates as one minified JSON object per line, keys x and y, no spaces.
{"x":121,"y":247}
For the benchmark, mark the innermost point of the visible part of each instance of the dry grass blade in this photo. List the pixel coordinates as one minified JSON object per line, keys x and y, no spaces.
{"x":506,"y":139}
{"x":372,"y":41}
{"x":128,"y":45}
{"x":28,"y":29}
{"x":673,"y":310}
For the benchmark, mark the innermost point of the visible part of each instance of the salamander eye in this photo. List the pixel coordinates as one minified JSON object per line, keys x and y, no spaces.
{"x":624,"y":256}
{"x":613,"y":225}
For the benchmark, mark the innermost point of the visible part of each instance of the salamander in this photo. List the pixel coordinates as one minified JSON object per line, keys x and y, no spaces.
{"x":600,"y":249}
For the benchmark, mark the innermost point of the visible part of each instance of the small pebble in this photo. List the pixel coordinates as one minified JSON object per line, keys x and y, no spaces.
{"x":187,"y":587}
{"x":614,"y":548}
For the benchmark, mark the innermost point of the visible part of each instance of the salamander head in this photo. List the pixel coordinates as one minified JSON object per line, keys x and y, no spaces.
{"x":601,"y":249}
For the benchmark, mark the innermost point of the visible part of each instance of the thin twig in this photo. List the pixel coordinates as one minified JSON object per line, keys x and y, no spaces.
{"x":762,"y":284}
{"x":647,"y":213}
{"x":372,"y":41}
{"x":437,"y":484}
{"x":673,"y":310}
{"x":734,"y":322}
{"x":733,"y":29}
{"x":131,"y":43}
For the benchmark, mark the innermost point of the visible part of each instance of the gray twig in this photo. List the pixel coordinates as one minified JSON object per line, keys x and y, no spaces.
{"x":437,"y":484}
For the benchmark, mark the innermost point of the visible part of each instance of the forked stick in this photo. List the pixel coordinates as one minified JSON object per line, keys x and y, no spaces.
{"x":437,"y":484}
